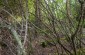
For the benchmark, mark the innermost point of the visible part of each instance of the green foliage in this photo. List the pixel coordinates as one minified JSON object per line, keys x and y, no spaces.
{"x":31,"y":6}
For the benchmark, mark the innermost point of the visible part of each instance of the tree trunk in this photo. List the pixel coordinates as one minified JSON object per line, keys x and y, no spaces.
{"x":37,"y":16}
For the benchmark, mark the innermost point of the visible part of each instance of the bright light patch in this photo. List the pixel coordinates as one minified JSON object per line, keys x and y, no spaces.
{"x":64,"y":1}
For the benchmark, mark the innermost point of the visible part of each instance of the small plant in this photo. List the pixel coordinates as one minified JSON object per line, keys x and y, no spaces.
{"x":43,"y":44}
{"x":47,"y":43}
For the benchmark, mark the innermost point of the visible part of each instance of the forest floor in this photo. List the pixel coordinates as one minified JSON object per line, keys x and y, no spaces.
{"x":51,"y":50}
{"x":10,"y":48}
{"x":48,"y":50}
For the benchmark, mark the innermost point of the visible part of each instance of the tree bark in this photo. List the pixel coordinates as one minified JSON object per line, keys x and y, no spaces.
{"x":37,"y":16}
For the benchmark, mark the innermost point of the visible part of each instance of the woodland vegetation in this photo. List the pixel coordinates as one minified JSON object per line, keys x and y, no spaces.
{"x":42,"y":27}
